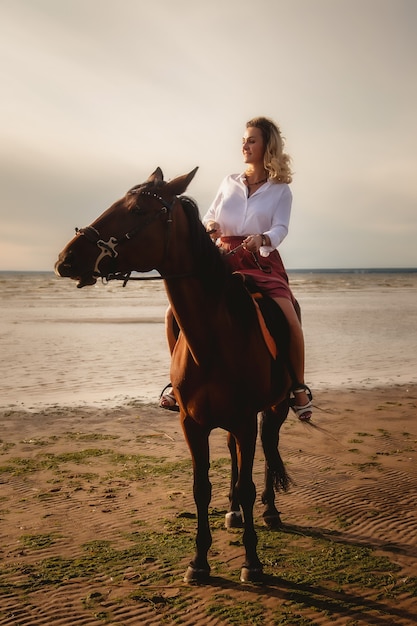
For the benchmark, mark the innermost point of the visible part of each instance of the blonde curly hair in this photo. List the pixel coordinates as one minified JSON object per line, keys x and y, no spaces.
{"x":276,"y":161}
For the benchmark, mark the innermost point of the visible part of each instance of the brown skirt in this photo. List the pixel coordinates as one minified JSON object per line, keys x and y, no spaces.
{"x":267,"y":272}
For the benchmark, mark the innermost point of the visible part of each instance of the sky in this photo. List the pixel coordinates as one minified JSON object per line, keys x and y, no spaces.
{"x":95,"y":94}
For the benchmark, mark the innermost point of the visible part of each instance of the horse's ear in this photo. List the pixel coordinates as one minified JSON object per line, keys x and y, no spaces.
{"x":156,"y":176}
{"x":180,"y":184}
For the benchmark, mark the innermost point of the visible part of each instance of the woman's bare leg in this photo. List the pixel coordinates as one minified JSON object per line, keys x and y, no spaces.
{"x":169,"y":329}
{"x":296,"y":346}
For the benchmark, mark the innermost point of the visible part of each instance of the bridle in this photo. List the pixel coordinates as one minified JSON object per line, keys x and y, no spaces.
{"x":108,"y":248}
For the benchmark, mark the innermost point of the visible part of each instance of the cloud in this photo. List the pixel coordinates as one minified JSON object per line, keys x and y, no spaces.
{"x":97,"y":94}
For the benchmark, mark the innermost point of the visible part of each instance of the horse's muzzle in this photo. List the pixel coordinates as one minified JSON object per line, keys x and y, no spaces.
{"x":65,"y":269}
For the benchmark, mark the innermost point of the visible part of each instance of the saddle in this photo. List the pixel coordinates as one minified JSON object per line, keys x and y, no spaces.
{"x":272,"y":321}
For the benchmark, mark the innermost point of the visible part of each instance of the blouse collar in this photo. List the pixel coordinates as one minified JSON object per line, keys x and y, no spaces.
{"x":241,"y":178}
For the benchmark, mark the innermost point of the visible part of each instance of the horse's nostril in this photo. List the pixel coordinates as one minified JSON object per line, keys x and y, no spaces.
{"x":64,"y":264}
{"x":67,"y":259}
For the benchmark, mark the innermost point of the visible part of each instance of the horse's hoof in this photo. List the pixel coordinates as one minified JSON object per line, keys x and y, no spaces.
{"x":233,"y":519}
{"x":272,"y":521}
{"x":195,"y":575}
{"x":251,"y":574}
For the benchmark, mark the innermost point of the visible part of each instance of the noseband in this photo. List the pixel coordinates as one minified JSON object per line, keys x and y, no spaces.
{"x":108,"y":248}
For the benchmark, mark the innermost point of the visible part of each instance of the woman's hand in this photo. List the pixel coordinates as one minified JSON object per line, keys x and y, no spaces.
{"x":252,"y":243}
{"x":213,"y":229}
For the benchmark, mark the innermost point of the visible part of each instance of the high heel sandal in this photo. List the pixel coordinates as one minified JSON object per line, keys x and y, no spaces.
{"x":167,"y":399}
{"x":303,"y":412}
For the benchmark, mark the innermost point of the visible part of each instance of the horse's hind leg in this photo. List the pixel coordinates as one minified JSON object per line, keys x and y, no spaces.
{"x":197,"y":439}
{"x":276,"y":476}
{"x":246,"y":441}
{"x":234,"y":515}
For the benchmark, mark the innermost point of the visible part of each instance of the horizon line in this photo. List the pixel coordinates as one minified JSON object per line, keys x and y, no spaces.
{"x":301,"y":269}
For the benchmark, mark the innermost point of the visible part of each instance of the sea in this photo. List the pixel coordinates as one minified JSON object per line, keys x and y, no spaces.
{"x":106,"y":344}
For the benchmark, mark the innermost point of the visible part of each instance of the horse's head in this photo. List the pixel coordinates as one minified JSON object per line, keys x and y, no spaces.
{"x":139,"y":220}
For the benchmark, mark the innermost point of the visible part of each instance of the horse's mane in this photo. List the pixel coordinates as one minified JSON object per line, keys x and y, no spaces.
{"x":213,"y":269}
{"x":208,"y":260}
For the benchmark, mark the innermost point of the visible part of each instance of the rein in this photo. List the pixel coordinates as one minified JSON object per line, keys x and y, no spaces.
{"x":266,"y":270}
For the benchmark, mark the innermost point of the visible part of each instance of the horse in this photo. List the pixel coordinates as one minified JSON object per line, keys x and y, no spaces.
{"x":222,"y":372}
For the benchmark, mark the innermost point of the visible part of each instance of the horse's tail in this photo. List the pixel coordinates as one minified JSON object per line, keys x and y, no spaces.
{"x":271,"y":421}
{"x":279,"y":475}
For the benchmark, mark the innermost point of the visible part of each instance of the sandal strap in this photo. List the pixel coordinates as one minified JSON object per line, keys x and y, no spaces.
{"x":299,"y":388}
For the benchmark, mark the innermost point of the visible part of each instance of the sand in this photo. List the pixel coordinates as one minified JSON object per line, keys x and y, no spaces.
{"x":69,"y":485}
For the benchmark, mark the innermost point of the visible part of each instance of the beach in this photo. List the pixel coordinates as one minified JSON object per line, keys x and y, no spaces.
{"x":97,"y":514}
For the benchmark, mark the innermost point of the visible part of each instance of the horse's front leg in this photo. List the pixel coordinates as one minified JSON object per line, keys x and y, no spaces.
{"x":246,"y":441}
{"x":234,"y":515}
{"x":197,"y":439}
{"x":276,"y":476}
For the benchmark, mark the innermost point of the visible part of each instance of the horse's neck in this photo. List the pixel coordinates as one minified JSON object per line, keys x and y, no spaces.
{"x":198,"y":300}
{"x":197,"y":313}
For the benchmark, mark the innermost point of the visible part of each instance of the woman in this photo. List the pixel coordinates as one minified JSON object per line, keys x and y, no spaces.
{"x":250,"y":215}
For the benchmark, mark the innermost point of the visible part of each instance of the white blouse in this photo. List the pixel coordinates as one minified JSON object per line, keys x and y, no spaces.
{"x":267,"y":211}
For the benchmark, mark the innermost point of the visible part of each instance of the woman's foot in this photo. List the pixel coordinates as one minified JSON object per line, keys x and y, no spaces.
{"x":300,"y":402}
{"x":167,"y":399}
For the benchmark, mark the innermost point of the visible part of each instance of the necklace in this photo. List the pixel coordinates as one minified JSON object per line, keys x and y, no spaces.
{"x":257,"y":182}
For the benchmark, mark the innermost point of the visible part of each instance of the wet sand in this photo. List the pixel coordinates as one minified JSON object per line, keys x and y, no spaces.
{"x":67,"y":481}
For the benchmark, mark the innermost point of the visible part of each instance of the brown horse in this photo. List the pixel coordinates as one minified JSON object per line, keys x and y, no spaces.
{"x":222,"y":372}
